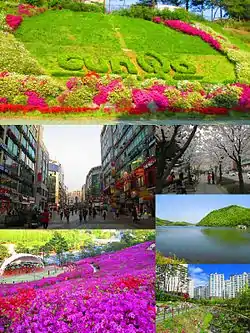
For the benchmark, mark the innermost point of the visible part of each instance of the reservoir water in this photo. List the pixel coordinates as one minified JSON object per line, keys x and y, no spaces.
{"x":204,"y":244}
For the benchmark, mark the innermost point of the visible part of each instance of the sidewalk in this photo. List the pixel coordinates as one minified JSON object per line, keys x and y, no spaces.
{"x":204,"y":188}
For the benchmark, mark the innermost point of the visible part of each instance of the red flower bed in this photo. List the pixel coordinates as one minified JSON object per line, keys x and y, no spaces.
{"x":13,"y":21}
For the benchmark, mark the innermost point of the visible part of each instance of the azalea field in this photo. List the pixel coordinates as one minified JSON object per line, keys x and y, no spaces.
{"x":119,"y":297}
{"x":56,"y":65}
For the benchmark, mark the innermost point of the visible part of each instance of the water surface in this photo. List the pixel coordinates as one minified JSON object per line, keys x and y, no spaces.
{"x":204,"y":244}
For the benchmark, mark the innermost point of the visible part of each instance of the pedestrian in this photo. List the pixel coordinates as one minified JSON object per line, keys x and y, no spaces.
{"x":61,"y":214}
{"x":134,"y":214}
{"x":80,"y":215}
{"x":209,"y":178}
{"x":72,"y":211}
{"x":180,"y":185}
{"x":45,"y":218}
{"x":94,"y":213}
{"x":90,"y":212}
{"x":67,"y":213}
{"x":117,"y":213}
{"x":213,"y":176}
{"x":104,"y":214}
{"x":114,"y":213}
{"x":85,"y":213}
{"x":171,"y":178}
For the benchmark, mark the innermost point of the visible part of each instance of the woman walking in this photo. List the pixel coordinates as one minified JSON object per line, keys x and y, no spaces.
{"x":45,"y":218}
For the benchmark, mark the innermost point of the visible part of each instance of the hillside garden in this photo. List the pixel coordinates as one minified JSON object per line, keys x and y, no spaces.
{"x":72,"y":60}
{"x":119,"y":297}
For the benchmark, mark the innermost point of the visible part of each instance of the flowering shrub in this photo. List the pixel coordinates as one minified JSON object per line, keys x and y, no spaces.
{"x":118,"y":298}
{"x":13,"y":21}
{"x":29,"y":10}
{"x":190,"y":30}
{"x":15,"y":58}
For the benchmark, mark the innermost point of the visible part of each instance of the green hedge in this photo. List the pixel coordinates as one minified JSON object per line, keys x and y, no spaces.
{"x":80,"y":6}
{"x":118,"y":62}
{"x":71,"y":62}
{"x":156,"y":64}
{"x":101,"y":67}
{"x":183,"y":67}
{"x":187,"y":77}
{"x":147,"y":13}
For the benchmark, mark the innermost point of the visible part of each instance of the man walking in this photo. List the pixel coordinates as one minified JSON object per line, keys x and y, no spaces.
{"x":45,"y":218}
{"x":80,"y":216}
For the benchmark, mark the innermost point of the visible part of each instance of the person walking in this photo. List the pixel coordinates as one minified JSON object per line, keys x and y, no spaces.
{"x":104,"y":214}
{"x":90,"y":212}
{"x":180,"y":186}
{"x":209,"y":178}
{"x":117,"y":213}
{"x":85,"y":213}
{"x":94,"y":213}
{"x":80,"y":216}
{"x":114,"y":213}
{"x":67,"y":213}
{"x":45,"y":218}
{"x":134,"y":214}
{"x":61,"y":214}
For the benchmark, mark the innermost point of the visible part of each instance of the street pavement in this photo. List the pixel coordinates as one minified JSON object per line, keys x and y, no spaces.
{"x":123,"y":222}
{"x":204,"y":188}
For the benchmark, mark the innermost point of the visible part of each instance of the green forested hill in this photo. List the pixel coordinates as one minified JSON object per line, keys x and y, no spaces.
{"x":230,"y":216}
{"x":162,"y":222}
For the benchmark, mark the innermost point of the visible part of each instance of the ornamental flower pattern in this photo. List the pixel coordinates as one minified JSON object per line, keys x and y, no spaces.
{"x":118,"y":298}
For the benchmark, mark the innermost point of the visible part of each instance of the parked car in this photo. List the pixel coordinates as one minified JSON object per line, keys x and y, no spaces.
{"x":232,"y":174}
{"x":248,"y":175}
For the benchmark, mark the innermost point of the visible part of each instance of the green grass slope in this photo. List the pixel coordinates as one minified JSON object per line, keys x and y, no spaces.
{"x":57,"y":33}
{"x":230,"y":216}
{"x":161,"y":222}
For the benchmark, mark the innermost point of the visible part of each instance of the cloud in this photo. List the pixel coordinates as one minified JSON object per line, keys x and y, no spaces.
{"x":198,"y":276}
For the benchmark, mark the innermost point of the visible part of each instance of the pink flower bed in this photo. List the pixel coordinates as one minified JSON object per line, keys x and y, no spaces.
{"x":190,"y":30}
{"x":118,"y":298}
{"x":104,"y":91}
{"x":14,"y":21}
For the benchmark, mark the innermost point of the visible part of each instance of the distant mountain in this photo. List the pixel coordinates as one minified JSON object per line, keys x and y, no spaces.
{"x":230,"y":216}
{"x":161,"y":222}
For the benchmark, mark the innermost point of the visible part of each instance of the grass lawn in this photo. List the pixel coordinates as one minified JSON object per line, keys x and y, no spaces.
{"x":56,"y":33}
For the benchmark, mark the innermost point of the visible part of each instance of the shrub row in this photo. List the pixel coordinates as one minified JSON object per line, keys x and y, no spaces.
{"x":147,"y":13}
{"x":76,"y":6}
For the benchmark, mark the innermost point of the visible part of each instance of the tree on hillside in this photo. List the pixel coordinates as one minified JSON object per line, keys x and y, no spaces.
{"x":22,"y":247}
{"x":57,"y":244}
{"x":231,"y":142}
{"x":171,"y":143}
{"x":4,"y":253}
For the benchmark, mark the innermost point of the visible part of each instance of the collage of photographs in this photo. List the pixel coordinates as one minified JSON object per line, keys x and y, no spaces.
{"x":124,"y":166}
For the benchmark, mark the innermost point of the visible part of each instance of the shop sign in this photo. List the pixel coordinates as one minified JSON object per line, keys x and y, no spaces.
{"x":149,"y":163}
{"x":139,"y":172}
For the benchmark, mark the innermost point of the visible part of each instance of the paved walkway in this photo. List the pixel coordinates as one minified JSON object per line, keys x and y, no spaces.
{"x":204,"y":188}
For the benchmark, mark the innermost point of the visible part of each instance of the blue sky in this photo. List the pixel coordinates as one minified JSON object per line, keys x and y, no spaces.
{"x":192,"y":208}
{"x":200,"y":273}
{"x":77,"y":148}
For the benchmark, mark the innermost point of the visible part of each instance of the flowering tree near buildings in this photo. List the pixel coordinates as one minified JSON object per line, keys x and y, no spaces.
{"x":171,"y":144}
{"x":228,"y":142}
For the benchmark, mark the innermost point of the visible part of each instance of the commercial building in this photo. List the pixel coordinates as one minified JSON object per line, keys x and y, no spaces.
{"x":74,"y":197}
{"x":83,"y":193}
{"x":128,"y":165}
{"x":41,"y":172}
{"x":93,"y":185}
{"x":56,"y":185}
{"x":18,"y":150}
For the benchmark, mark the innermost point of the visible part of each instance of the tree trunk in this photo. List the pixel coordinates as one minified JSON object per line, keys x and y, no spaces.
{"x":187,"y":5}
{"x":240,"y":176}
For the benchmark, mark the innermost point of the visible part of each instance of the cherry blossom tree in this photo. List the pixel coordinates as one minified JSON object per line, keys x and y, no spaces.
{"x":228,"y":143}
{"x":171,"y":144}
